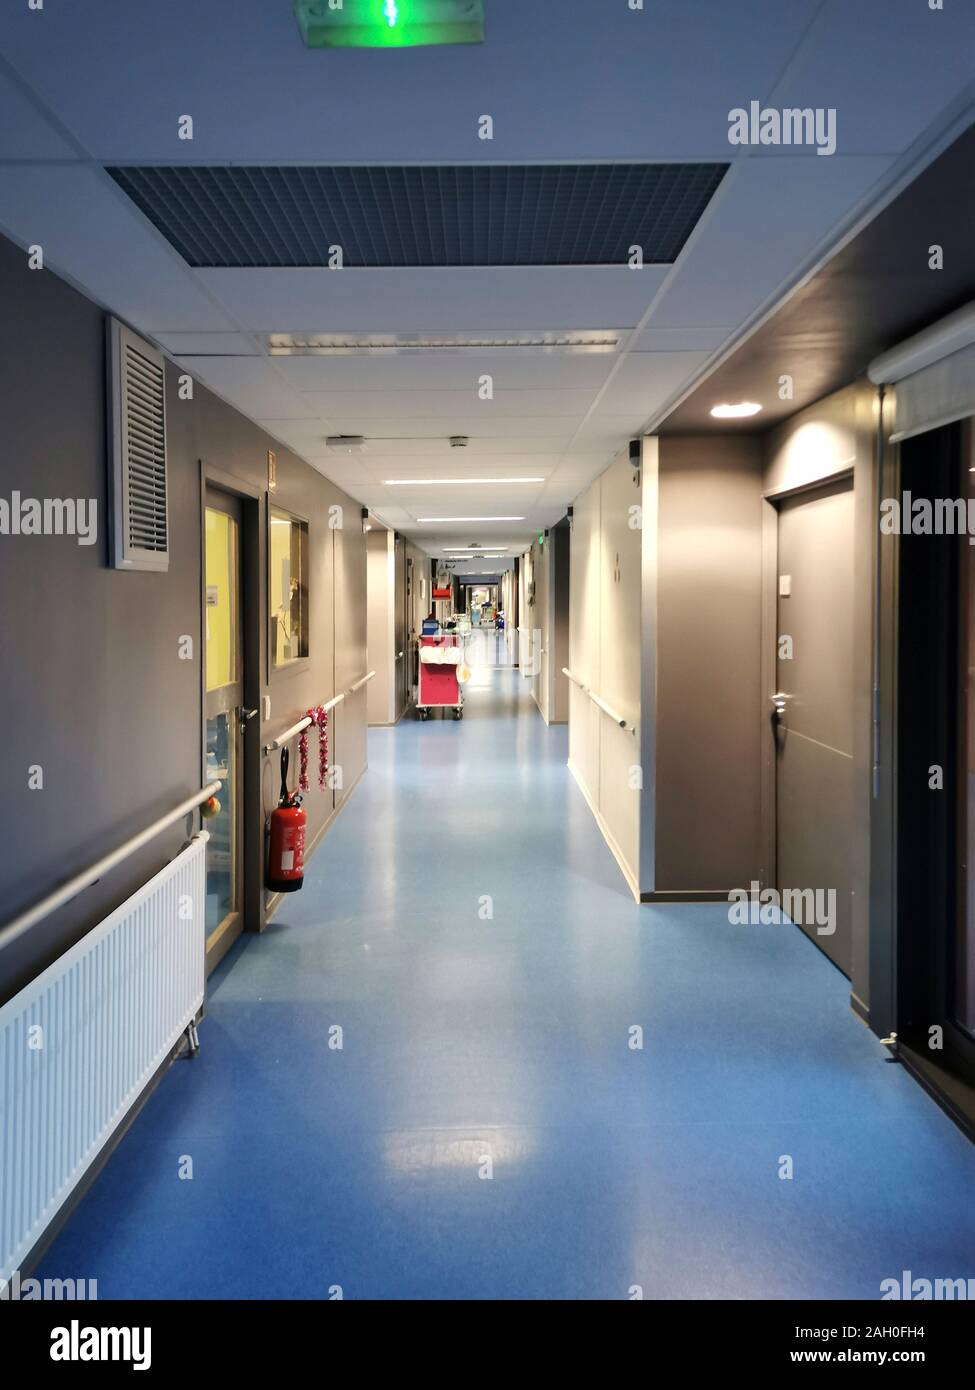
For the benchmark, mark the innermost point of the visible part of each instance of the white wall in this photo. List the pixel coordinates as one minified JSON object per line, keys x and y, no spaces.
{"x":417,"y":607}
{"x":381,"y":626}
{"x":548,"y":652}
{"x":538,"y":622}
{"x":605,"y":615}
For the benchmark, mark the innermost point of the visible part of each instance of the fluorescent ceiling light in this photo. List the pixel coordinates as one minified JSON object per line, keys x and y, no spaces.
{"x":477,"y":549}
{"x":736,"y":411}
{"x":451,"y":482}
{"x":338,"y":344}
{"x":469,"y":518}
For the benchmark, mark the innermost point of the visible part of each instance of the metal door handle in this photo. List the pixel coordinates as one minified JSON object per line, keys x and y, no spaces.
{"x":779,"y":701}
{"x":246,"y":714}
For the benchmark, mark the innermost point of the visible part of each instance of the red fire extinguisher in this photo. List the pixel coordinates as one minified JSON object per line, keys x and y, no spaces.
{"x":286,"y":860}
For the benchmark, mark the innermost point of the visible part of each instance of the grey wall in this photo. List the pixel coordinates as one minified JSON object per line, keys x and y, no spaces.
{"x":91,"y":682}
{"x":708,"y":663}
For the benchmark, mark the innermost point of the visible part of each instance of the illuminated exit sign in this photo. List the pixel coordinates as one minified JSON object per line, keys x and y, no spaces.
{"x":389,"y":23}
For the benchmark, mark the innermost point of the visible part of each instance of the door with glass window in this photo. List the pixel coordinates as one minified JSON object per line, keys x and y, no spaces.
{"x":226,"y":718}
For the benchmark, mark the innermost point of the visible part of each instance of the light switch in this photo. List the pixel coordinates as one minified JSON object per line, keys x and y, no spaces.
{"x":785,"y":585}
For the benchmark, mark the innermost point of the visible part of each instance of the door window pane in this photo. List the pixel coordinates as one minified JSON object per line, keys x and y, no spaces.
{"x":221,"y":599}
{"x":222,"y":847}
{"x":288,"y":598}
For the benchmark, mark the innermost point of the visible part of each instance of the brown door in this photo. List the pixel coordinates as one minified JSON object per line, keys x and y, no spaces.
{"x":813,"y":714}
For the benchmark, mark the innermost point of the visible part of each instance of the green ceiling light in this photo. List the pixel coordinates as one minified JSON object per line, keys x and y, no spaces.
{"x":389,"y":23}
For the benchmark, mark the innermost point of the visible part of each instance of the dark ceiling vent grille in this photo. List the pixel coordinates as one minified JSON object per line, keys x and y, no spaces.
{"x":424,"y":215}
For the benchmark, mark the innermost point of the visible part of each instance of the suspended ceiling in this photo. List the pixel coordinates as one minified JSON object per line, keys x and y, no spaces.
{"x":88,"y":88}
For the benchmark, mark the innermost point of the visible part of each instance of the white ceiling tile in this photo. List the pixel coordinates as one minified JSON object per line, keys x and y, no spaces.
{"x":767,"y":217}
{"x":92,"y":235}
{"x":515,"y":447}
{"x":252,"y":385}
{"x":210,"y":344}
{"x":645,"y":380}
{"x":306,"y":437}
{"x":675,"y":71}
{"x":441,"y":427}
{"x":381,"y":406}
{"x":696,"y":339}
{"x":610,"y":433}
{"x":520,"y":369}
{"x":25,"y":131}
{"x":493,"y":299}
{"x":919,"y":58}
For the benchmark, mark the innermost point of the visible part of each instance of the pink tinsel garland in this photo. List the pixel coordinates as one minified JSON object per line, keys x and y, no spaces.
{"x":319,"y":719}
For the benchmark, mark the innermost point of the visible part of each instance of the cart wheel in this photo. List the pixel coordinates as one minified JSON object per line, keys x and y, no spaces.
{"x":458,"y":714}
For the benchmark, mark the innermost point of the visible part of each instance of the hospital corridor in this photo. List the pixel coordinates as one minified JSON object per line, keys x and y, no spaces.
{"x":503,"y":1038}
{"x":487,"y":595}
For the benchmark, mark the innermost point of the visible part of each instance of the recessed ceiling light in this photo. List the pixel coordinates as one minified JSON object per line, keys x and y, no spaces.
{"x":451,"y":482}
{"x":469,"y":518}
{"x":736,"y":411}
{"x":337,"y":344}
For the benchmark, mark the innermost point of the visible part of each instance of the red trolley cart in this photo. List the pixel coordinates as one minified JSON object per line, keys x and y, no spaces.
{"x":439,"y":688}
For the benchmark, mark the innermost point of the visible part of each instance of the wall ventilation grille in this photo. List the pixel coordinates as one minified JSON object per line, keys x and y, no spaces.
{"x":137,"y":374}
{"x":423,"y":215}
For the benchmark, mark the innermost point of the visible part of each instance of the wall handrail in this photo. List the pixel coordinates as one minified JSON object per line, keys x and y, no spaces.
{"x":305,"y":723}
{"x":616,"y":717}
{"x":22,"y":923}
{"x":606,"y":709}
{"x":300,"y":727}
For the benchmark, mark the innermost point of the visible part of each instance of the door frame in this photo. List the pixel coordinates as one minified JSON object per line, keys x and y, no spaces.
{"x":893,"y":992}
{"x":768,"y":864}
{"x":251,"y":561}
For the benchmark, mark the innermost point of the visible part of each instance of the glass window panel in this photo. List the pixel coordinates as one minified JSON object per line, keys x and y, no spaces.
{"x":222,"y":846}
{"x":221,"y":599}
{"x":288,"y":598}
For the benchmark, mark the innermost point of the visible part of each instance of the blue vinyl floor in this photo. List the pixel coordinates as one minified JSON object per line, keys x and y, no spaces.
{"x":463,"y":1038}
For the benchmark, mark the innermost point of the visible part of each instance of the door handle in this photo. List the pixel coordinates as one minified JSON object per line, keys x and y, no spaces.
{"x":245,"y":715}
{"x":779,"y":701}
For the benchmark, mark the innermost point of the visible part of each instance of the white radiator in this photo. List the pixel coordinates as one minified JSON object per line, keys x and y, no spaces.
{"x":80,"y":1043}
